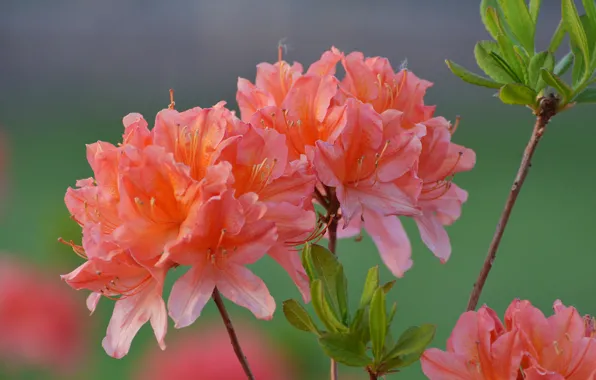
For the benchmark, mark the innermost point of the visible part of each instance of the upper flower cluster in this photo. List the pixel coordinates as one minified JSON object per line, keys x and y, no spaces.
{"x":371,"y":139}
{"x":206,"y":189}
{"x":528,"y":346}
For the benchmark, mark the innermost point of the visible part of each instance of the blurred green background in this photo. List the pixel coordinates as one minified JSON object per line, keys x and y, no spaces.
{"x":70,"y":70}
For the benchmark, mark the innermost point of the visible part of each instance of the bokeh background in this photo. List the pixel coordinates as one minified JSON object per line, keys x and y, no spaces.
{"x":70,"y":70}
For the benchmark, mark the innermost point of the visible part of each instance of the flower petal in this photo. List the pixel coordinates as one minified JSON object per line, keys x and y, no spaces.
{"x":289,"y":259}
{"x":433,"y":234}
{"x":130,"y":313}
{"x":441,"y":365}
{"x":392,"y":241}
{"x":244,"y":288}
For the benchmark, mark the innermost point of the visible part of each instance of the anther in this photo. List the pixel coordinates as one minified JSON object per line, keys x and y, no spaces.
{"x":172,"y":102}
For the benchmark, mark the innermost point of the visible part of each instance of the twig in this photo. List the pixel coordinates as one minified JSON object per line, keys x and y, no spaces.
{"x":332,"y":205}
{"x":546,"y":110}
{"x":233,"y":338}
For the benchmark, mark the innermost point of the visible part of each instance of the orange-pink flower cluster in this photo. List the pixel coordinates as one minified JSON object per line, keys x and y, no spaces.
{"x":528,"y":346}
{"x":370,"y":137}
{"x":213,"y":192}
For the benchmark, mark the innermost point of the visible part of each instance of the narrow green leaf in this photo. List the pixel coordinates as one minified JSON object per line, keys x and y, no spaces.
{"x":489,"y":22}
{"x":586,"y":96}
{"x":579,"y":68}
{"x":388,"y":286}
{"x":391,"y":314}
{"x":589,"y":24}
{"x":307,"y":262}
{"x":359,"y":325}
{"x":470,"y":77}
{"x":345,"y":349}
{"x":399,"y":362}
{"x":370,"y":285}
{"x":564,"y":64}
{"x":326,"y":268}
{"x":524,"y":60}
{"x":541,"y":60}
{"x":489,"y":64}
{"x":557,"y":83}
{"x":519,"y":20}
{"x":510,"y":58}
{"x":557,"y":38}
{"x":413,"y":341}
{"x":535,"y":10}
{"x":590,"y":8}
{"x":342,"y":294}
{"x":378,"y":323}
{"x":575,"y":29}
{"x":322,"y":308}
{"x":515,"y":93}
{"x":298,"y":317}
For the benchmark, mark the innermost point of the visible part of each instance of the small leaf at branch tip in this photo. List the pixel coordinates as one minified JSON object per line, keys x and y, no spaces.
{"x":298,"y":317}
{"x":345,"y":348}
{"x":517,"y":94}
{"x":469,"y":77}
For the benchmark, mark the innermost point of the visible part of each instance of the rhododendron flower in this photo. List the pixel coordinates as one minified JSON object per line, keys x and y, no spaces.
{"x":208,"y":355}
{"x":366,"y":166}
{"x":40,"y":324}
{"x":561,"y":346}
{"x":201,"y":189}
{"x":529,"y":346}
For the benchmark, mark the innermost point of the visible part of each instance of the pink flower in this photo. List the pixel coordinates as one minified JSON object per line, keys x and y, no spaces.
{"x":208,"y":355}
{"x":478,"y":348}
{"x":561,"y":346}
{"x":373,"y":81}
{"x":40,"y":324}
{"x":529,"y":346}
{"x":367,"y":166}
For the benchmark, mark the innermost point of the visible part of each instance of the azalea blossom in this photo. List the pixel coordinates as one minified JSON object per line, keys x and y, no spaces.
{"x":208,"y":355}
{"x":40,"y":323}
{"x":350,"y":131}
{"x":201,"y":189}
{"x":528,"y":346}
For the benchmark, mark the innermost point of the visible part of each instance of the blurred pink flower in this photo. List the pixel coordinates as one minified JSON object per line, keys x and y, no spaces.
{"x":529,"y":346}
{"x":40,"y":322}
{"x":207,"y":354}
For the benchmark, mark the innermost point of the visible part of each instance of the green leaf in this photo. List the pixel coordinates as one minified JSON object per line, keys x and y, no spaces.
{"x":575,"y":29}
{"x":470,"y":77}
{"x":359,"y":325}
{"x":391,"y":314}
{"x":541,"y":60}
{"x":589,"y":24}
{"x":590,"y":8}
{"x":579,"y":68}
{"x":307,"y":262}
{"x":557,"y":38}
{"x":510,"y":58}
{"x":370,"y":285}
{"x":388,"y":286}
{"x":515,"y":93}
{"x":586,"y":96}
{"x":345,"y":349}
{"x":489,"y":22}
{"x":535,"y":10}
{"x":519,"y":20}
{"x":325,"y":267}
{"x":298,"y":317}
{"x":564,"y":64}
{"x":491,"y":65}
{"x":413,"y":341}
{"x":322,"y":308}
{"x":557,"y":83}
{"x":342,"y":294}
{"x":399,"y":362}
{"x":524,"y":60}
{"x":378,"y":323}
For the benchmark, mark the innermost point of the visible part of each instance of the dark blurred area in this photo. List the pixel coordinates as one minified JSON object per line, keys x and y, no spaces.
{"x":70,"y":70}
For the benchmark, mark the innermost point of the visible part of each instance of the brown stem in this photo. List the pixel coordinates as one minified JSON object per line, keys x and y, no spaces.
{"x":233,"y":338}
{"x":372,"y":375}
{"x":332,"y":210}
{"x":547,"y":109}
